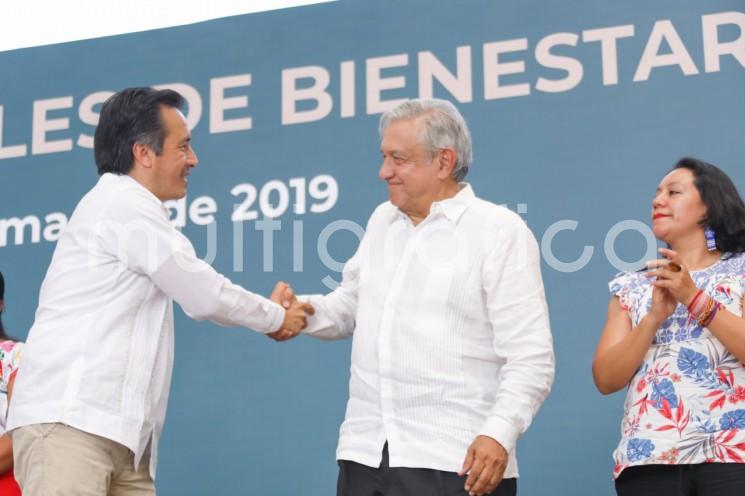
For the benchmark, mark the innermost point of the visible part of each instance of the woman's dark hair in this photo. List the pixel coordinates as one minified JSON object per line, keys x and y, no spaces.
{"x":725,"y":210}
{"x":128,"y":117}
{"x":3,"y":336}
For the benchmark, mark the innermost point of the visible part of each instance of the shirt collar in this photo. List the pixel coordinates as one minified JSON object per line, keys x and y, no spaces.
{"x":454,"y":207}
{"x":126,"y":178}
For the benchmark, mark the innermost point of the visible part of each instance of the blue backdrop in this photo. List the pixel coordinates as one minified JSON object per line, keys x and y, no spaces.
{"x":577,"y":109}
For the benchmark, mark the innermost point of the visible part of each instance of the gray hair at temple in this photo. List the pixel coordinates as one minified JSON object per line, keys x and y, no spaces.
{"x":444,"y":127}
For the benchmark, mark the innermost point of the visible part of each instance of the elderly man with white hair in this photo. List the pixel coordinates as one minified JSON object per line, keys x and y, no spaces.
{"x":452,"y":352}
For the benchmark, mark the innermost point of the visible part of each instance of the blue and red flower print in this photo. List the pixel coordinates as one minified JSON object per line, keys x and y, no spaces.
{"x":686,"y":403}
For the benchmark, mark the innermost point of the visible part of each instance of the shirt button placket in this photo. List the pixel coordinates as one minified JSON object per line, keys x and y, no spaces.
{"x":385,"y":348}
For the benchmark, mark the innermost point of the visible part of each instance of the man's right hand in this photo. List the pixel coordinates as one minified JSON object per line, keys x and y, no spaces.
{"x":295,"y":319}
{"x":285,"y":296}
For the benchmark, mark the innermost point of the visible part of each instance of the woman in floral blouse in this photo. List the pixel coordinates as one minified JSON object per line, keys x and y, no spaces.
{"x":10,"y":354}
{"x":675,"y":336}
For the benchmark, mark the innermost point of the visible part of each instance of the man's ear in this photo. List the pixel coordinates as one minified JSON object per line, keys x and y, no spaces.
{"x":445,"y":162}
{"x":143,"y":155}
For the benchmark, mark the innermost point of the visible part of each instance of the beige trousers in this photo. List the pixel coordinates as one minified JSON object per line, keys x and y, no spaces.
{"x":59,"y":460}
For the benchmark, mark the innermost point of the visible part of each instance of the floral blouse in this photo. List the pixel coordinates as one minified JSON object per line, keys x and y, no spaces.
{"x":686,"y":402}
{"x":10,"y":356}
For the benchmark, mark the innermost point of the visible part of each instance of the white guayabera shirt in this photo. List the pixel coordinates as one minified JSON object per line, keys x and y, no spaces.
{"x":100,"y":353}
{"x":451,"y":334}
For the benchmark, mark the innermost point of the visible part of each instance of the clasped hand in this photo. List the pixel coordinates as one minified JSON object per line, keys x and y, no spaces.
{"x":296,"y":312}
{"x":673,"y":284}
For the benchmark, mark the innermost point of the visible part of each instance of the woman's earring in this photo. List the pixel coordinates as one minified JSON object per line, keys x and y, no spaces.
{"x":711,"y":242}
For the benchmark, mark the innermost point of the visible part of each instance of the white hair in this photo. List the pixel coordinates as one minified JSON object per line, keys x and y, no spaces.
{"x":444,"y":127}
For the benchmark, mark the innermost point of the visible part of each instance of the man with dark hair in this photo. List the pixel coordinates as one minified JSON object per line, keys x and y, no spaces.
{"x":91,"y":396}
{"x":118,"y":131}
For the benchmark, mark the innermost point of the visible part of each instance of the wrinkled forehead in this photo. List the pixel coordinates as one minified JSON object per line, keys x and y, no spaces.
{"x":408,"y":132}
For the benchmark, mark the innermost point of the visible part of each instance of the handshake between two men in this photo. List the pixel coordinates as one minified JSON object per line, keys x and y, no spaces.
{"x":296,"y":312}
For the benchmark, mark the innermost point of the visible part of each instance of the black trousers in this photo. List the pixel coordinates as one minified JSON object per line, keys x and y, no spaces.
{"x":703,"y":479}
{"x":360,"y":480}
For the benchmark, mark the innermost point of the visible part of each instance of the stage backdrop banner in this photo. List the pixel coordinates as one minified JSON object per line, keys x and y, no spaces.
{"x":577,"y":109}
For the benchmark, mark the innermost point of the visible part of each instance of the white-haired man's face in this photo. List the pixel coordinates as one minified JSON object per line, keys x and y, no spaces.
{"x":413,"y":174}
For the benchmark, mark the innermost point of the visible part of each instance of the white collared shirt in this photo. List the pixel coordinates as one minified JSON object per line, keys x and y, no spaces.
{"x":99,"y":356}
{"x":451,"y":334}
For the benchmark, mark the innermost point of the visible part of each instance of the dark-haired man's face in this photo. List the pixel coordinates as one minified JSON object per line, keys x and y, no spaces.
{"x":171,"y":168}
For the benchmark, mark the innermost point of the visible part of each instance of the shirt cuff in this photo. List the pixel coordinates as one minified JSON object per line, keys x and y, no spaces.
{"x":317,"y":320}
{"x":321,"y":325}
{"x":501,"y":431}
{"x":237,"y":306}
{"x":279,"y":317}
